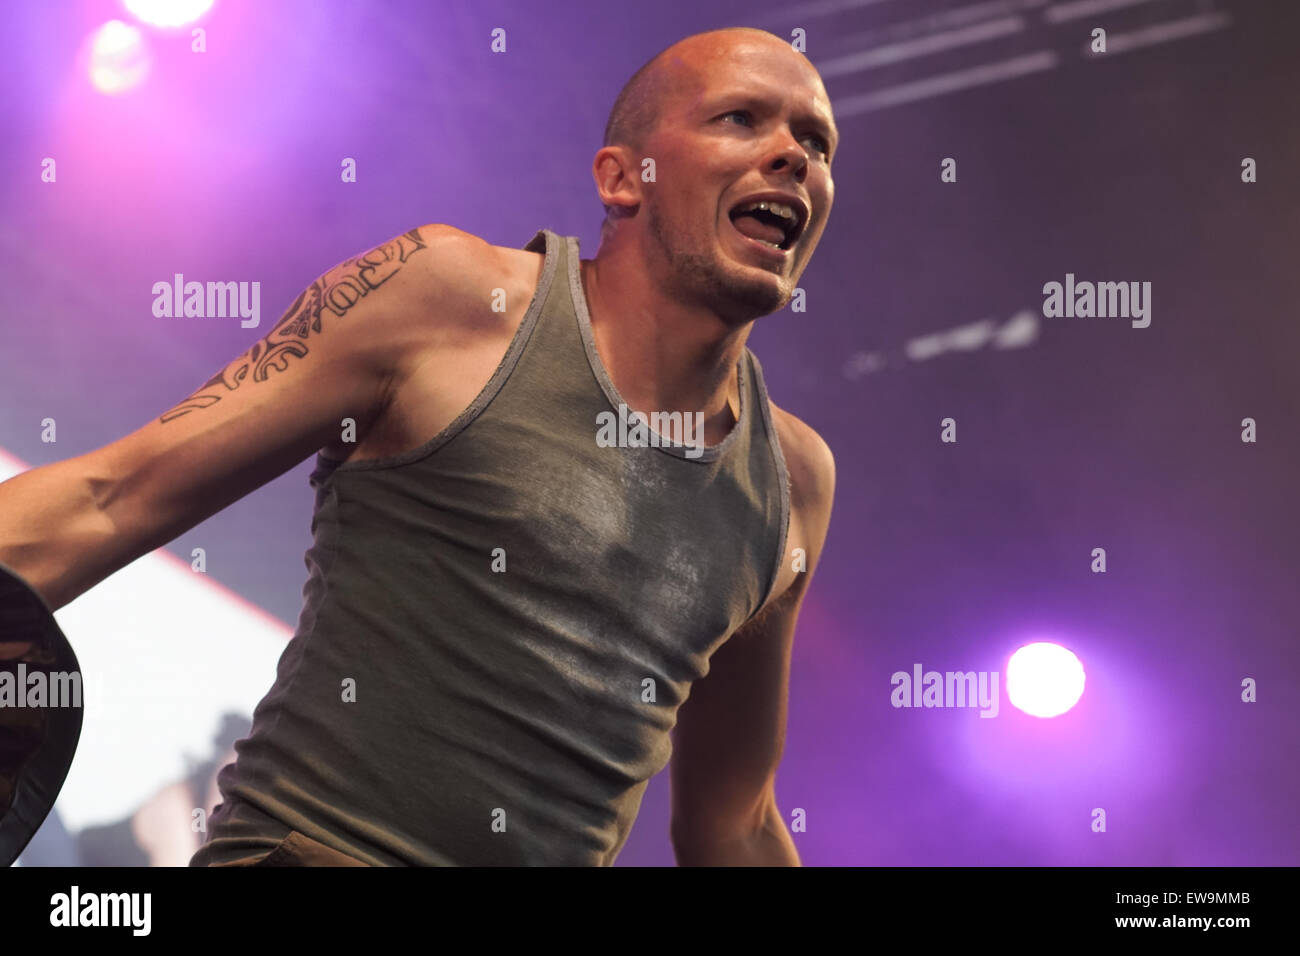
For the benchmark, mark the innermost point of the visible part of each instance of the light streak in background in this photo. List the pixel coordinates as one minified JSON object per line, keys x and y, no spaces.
{"x":165,"y":651}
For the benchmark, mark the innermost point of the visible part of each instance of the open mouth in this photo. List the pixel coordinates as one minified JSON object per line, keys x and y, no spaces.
{"x":768,"y":221}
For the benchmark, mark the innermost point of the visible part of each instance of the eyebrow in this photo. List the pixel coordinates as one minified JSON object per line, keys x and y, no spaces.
{"x":750,"y":98}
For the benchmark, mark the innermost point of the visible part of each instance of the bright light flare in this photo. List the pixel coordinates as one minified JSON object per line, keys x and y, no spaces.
{"x":168,"y":13}
{"x":118,"y":57}
{"x":1044,"y":679}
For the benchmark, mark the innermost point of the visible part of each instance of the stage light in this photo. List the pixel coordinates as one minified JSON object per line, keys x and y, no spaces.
{"x":118,"y":57}
{"x":1044,"y":679}
{"x":168,"y":13}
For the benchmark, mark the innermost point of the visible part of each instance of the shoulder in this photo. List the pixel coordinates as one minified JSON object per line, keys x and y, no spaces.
{"x":464,"y":268}
{"x":811,"y":465}
{"x":810,"y":462}
{"x":434,"y":293}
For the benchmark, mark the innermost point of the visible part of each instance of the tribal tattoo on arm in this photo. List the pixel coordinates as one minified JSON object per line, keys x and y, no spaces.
{"x":331,"y":295}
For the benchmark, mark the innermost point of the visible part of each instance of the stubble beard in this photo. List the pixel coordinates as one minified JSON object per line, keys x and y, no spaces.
{"x":704,"y":279}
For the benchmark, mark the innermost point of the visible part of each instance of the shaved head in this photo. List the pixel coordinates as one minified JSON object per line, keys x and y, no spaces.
{"x":636,"y":109}
{"x":729,"y":117}
{"x":639,"y":105}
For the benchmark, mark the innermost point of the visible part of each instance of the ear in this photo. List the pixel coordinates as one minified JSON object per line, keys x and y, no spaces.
{"x":616,"y":172}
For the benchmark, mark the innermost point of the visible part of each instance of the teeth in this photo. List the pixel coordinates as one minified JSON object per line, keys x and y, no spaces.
{"x":776,"y":208}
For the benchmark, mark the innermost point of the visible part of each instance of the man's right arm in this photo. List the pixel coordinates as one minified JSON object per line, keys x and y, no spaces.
{"x":336,"y":354}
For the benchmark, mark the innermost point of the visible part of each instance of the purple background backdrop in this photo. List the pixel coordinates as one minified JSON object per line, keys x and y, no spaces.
{"x":1092,"y":434}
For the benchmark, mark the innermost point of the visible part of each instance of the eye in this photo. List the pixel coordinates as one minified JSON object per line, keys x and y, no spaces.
{"x":822,"y":146}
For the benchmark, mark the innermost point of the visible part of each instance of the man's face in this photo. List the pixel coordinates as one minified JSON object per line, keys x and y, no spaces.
{"x":747,"y":118}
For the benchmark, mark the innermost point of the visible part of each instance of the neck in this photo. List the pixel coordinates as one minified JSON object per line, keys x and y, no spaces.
{"x":662,"y":354}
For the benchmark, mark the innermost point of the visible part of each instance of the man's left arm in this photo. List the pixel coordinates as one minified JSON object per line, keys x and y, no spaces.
{"x":730,"y":732}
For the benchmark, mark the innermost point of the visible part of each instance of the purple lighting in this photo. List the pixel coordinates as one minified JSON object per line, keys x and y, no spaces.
{"x":1044,"y":679}
{"x":118,"y":58}
{"x":168,"y":13}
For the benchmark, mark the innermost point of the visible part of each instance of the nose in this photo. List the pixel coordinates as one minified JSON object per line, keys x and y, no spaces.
{"x":790,"y":154}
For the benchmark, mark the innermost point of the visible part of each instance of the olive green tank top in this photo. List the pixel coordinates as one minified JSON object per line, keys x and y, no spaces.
{"x":500,"y":625}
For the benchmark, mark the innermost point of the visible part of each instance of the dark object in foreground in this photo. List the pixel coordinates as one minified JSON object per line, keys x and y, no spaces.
{"x":38,"y":734}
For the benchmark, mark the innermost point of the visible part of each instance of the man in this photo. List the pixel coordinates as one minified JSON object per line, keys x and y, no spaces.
{"x":504,"y":616}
